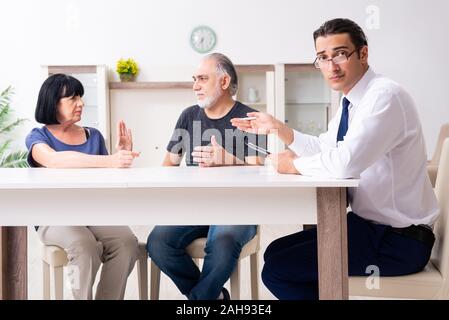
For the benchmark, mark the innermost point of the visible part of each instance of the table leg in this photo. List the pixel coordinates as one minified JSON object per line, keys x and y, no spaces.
{"x":14,"y":263}
{"x":332,"y":243}
{"x":1,"y":263}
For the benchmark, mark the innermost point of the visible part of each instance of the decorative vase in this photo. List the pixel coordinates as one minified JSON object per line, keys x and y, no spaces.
{"x":253,"y":95}
{"x":127,"y":77}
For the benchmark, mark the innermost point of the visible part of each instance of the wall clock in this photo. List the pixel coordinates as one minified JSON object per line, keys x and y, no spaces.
{"x":203,"y":39}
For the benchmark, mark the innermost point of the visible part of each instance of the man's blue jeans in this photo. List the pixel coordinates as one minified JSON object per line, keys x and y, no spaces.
{"x":166,"y":246}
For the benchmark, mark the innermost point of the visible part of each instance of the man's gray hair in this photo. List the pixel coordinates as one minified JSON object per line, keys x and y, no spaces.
{"x":225,"y":66}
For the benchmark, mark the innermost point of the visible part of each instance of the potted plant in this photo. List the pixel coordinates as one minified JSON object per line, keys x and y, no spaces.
{"x":127,"y":69}
{"x":8,"y":159}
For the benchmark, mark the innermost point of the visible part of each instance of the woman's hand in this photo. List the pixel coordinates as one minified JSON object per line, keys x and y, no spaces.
{"x":124,"y":137}
{"x":122,"y":159}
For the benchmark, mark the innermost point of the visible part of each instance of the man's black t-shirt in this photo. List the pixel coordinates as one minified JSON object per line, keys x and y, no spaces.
{"x":194,"y":129}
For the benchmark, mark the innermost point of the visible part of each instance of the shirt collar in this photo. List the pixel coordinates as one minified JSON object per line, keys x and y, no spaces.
{"x":356,"y":94}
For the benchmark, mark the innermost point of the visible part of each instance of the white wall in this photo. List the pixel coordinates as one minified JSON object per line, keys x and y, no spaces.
{"x":409,"y":46}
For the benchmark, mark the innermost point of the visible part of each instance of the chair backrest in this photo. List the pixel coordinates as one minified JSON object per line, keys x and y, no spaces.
{"x":440,"y":253}
{"x":444,"y":134}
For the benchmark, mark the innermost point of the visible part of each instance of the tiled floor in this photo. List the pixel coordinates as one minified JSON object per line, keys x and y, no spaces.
{"x":168,"y":290}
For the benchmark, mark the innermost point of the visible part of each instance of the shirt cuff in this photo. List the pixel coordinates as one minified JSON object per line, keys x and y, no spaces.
{"x":299,"y":141}
{"x":311,"y":166}
{"x":300,"y":165}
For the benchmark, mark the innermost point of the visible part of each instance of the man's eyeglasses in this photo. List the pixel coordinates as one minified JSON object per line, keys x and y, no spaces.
{"x":340,"y":57}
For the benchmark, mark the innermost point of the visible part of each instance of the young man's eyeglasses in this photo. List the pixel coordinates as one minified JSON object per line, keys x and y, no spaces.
{"x":339,"y":58}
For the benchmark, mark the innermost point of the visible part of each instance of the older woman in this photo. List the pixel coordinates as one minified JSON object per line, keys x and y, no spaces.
{"x":61,"y":143}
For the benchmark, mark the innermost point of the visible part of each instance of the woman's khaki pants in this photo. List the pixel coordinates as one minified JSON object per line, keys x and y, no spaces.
{"x":87,"y":247}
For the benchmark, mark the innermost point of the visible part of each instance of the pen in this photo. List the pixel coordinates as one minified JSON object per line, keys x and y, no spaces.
{"x":248,"y":118}
{"x":258,"y":149}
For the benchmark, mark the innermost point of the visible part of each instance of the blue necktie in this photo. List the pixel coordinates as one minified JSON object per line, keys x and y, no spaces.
{"x":343,"y":128}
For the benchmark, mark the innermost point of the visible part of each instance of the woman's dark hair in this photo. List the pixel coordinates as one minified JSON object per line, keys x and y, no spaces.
{"x":338,"y":26}
{"x":56,"y":87}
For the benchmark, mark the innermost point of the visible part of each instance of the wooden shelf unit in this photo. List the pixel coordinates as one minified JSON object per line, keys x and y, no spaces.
{"x":150,"y":85}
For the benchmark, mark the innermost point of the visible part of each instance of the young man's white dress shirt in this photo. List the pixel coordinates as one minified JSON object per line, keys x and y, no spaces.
{"x":384,"y":147}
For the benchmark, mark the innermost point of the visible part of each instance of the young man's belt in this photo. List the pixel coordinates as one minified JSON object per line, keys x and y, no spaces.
{"x":421,"y":233}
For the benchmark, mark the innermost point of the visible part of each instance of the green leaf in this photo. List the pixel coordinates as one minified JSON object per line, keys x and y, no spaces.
{"x":7,"y":92}
{"x":8,"y":159}
{"x":5,"y":96}
{"x":4,"y":147}
{"x":4,"y":114}
{"x":16,"y":159}
{"x":11,"y":126}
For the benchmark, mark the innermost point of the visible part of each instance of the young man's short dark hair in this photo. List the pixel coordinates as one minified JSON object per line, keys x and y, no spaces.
{"x":54,"y":88}
{"x":338,"y":26}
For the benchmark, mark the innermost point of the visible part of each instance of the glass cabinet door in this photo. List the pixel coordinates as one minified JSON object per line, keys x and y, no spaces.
{"x":307,"y":99}
{"x":303,"y":98}
{"x":256,"y":89}
{"x":304,"y":101}
{"x":256,"y":86}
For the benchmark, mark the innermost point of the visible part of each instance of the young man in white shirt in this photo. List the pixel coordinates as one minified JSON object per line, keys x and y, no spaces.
{"x":376,"y":136}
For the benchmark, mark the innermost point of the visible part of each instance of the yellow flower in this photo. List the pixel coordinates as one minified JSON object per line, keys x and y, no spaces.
{"x":127,"y":66}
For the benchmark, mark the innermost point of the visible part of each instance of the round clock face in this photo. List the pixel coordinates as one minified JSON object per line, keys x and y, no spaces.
{"x":203,"y":39}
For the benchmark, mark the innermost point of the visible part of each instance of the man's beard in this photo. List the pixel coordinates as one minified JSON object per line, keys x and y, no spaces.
{"x":207,"y":102}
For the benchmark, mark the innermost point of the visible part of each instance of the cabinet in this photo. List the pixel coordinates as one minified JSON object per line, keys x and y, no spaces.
{"x":257,"y":90}
{"x":151,"y":110}
{"x":304,"y":101}
{"x":96,"y":95}
{"x":256,"y":86}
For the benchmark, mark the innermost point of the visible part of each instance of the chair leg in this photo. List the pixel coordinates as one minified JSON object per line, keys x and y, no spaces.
{"x":254,"y":263}
{"x":46,"y":280}
{"x":59,"y":282}
{"x":142,"y":277}
{"x":155,"y":281}
{"x":235,"y":282}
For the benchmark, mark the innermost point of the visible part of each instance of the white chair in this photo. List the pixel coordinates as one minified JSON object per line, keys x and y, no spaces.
{"x":196,"y":251}
{"x":432,"y":165}
{"x":54,"y":259}
{"x":433,"y":281}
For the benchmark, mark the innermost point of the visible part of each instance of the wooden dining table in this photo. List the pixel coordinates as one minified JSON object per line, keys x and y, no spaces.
{"x":171,"y":196}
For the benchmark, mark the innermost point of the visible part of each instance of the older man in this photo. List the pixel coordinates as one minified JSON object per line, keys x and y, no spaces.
{"x":205,"y":134}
